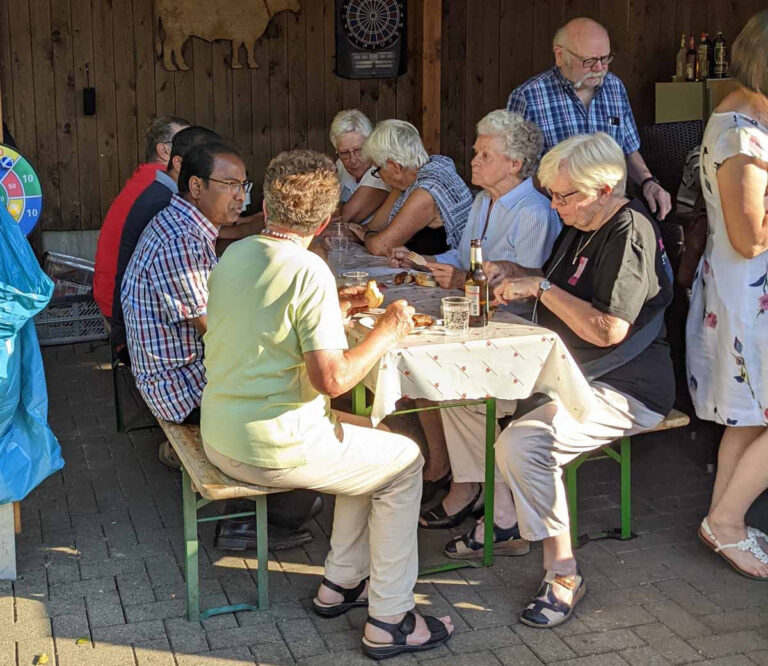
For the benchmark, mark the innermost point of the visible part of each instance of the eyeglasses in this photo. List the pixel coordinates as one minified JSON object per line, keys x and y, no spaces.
{"x":561,"y":199}
{"x":375,"y":173}
{"x":589,"y":63}
{"x":345,"y":155}
{"x":234,"y":186}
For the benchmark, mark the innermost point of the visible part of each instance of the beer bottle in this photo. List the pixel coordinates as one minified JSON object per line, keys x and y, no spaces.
{"x":703,"y":58}
{"x":721,"y":56}
{"x":680,"y":61}
{"x":476,"y":286}
{"x":690,"y":60}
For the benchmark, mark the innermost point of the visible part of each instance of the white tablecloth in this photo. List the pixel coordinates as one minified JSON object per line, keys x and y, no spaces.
{"x":508,"y":359}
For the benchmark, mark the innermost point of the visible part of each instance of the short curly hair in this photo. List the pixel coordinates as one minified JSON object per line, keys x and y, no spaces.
{"x":522,"y":139}
{"x":301,"y":189}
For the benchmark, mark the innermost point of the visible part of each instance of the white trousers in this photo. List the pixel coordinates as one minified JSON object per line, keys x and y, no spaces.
{"x":376,"y":477}
{"x":532,"y":450}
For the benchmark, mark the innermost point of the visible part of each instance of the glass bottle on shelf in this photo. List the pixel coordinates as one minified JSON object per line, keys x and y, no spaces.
{"x":721,"y":56}
{"x":703,"y":57}
{"x":680,"y":60}
{"x":690,"y":60}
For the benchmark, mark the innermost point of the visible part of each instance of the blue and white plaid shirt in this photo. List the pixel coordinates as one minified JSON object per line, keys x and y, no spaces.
{"x":166,"y":285}
{"x":550,"y":101}
{"x":450,"y":193}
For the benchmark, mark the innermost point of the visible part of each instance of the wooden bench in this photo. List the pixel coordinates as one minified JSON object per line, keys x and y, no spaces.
{"x":201,"y":484}
{"x":674,"y":419}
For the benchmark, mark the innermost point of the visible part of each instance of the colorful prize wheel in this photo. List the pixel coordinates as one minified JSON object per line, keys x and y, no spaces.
{"x":20,"y":190}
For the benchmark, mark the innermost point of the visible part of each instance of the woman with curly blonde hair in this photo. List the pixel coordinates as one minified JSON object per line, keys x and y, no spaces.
{"x":276,"y":352}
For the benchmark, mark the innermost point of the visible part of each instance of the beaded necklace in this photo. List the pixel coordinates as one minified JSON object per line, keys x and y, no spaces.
{"x":293,"y":238}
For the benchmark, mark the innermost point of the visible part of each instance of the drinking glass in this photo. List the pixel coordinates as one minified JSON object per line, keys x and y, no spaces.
{"x":339,"y":246}
{"x":456,"y":315}
{"x":355,"y":278}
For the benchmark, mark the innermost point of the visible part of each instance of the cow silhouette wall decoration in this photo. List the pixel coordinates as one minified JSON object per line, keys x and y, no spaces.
{"x":241,"y":21}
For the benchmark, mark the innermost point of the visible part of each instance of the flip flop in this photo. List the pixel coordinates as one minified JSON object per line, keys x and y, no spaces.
{"x":350,"y":599}
{"x":750,"y":545}
{"x":438,"y":519}
{"x":438,"y":635}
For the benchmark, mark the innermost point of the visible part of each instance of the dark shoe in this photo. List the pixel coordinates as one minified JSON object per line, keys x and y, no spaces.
{"x":240,"y":534}
{"x":430,"y":488}
{"x":167,"y":456}
{"x":351,"y":599}
{"x":546,"y":610}
{"x":439,"y":635}
{"x":438,"y":519}
{"x":505,"y":542}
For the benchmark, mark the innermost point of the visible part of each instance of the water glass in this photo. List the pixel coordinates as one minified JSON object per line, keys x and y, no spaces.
{"x":355,"y":278}
{"x":339,"y":246}
{"x":456,"y":315}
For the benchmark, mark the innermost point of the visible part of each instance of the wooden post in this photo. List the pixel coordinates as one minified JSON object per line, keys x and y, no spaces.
{"x":429,"y":76}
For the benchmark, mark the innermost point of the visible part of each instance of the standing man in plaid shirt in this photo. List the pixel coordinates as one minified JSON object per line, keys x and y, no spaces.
{"x":580,"y":96}
{"x":165,"y":307}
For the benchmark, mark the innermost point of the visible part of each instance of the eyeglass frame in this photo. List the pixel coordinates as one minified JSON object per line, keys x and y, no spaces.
{"x":560,"y":199}
{"x":348,"y":154}
{"x":589,"y":63}
{"x":246,"y":186}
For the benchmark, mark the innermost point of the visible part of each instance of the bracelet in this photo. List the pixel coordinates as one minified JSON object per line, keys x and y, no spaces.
{"x":650,"y":179}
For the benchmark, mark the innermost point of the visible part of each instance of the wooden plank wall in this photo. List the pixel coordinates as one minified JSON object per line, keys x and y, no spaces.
{"x":492,"y":46}
{"x":84,"y":160}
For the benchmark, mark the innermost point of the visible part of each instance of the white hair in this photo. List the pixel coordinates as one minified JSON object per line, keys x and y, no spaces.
{"x":591,"y":161}
{"x":398,"y":141}
{"x":522,"y":139}
{"x":349,"y":120}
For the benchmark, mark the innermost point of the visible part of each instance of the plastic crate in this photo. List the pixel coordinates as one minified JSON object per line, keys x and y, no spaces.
{"x":69,"y":319}
{"x":72,"y":315}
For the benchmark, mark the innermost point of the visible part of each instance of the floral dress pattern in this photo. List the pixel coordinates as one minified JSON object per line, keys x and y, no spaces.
{"x":727,"y":328}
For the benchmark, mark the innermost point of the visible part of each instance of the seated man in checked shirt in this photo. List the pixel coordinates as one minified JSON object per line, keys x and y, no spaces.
{"x":580,"y":96}
{"x":165,"y":305}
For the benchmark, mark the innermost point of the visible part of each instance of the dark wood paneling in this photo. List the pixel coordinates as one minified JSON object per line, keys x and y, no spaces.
{"x":487,"y":49}
{"x":480,"y":70}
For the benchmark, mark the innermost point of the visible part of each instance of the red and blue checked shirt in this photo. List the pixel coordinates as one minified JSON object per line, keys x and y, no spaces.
{"x":550,"y":101}
{"x":166,"y":285}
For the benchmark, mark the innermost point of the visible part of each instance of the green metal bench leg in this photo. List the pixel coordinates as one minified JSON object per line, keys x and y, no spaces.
{"x":571,"y":491}
{"x":262,"y":553}
{"x":189,"y":507}
{"x":626,"y":489}
{"x":490,"y":478}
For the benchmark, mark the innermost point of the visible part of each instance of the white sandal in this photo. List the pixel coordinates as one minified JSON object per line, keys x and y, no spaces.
{"x":756,"y":534}
{"x":749,"y":545}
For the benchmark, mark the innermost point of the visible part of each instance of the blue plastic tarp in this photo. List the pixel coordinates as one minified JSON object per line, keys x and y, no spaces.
{"x":29,"y":451}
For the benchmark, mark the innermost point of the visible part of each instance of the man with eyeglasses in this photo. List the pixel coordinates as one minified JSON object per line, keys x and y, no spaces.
{"x":580,"y":96}
{"x":164,"y":297}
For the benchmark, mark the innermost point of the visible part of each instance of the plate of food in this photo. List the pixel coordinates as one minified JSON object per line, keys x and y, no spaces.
{"x":419,"y":278}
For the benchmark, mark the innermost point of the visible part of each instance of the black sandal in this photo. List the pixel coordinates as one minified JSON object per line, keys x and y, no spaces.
{"x":430,"y":488}
{"x":350,"y":599}
{"x":439,"y":635}
{"x":438,"y":519}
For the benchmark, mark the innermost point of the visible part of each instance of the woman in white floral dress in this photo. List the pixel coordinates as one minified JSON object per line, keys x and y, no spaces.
{"x":727,"y":332}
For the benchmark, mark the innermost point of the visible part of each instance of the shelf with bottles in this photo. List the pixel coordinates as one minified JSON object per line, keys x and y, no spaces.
{"x":698,"y":62}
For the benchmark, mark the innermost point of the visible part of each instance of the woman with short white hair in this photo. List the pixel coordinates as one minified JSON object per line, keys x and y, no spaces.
{"x":362,"y":192}
{"x":604,"y":291}
{"x":428,"y":206}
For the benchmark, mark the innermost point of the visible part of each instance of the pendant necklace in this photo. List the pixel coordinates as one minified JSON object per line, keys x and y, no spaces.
{"x":580,"y":248}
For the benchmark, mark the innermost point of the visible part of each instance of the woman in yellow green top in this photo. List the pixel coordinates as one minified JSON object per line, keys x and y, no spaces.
{"x":275,"y":353}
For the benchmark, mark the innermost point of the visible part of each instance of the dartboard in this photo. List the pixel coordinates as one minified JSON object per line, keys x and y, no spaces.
{"x":20,"y":190}
{"x":373,"y":24}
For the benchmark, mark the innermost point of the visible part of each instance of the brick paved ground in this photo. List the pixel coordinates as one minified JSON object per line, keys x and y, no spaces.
{"x":101,"y":551}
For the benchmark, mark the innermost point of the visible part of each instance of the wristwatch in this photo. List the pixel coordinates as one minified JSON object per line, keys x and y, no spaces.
{"x":544,"y":285}
{"x":650,"y":179}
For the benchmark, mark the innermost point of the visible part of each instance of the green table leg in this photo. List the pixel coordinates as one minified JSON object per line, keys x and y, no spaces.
{"x":358,"y":400}
{"x":626,"y":489}
{"x":262,"y":577}
{"x":571,"y":491}
{"x":189,"y":507}
{"x":490,"y":476}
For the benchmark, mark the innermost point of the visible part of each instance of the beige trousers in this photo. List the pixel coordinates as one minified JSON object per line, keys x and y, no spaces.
{"x":376,"y":477}
{"x":532,"y":450}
